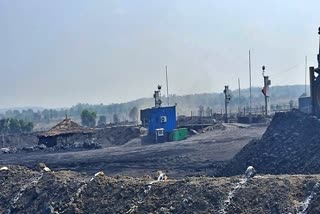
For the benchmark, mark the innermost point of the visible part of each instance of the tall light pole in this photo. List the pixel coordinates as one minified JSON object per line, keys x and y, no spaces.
{"x":239,"y":107}
{"x":319,"y":49}
{"x":265,"y":90}
{"x":305,"y":75}
{"x":167,"y":85}
{"x":250,"y":99}
{"x":227,"y":98}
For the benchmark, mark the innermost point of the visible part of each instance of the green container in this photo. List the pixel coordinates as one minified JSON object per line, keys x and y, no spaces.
{"x":180,"y":134}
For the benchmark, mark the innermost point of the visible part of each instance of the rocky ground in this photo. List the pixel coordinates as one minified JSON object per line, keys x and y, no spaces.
{"x":35,"y":191}
{"x":117,"y":135}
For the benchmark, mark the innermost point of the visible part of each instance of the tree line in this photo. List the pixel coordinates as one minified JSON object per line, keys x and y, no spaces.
{"x":115,"y":113}
{"x":12,"y":126}
{"x":88,"y":118}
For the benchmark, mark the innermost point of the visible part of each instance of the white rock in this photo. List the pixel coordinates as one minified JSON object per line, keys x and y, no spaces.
{"x":5,"y":150}
{"x":250,"y":172}
{"x":46,"y":169}
{"x":161,"y":176}
{"x":4,"y":168}
{"x":98,"y":174}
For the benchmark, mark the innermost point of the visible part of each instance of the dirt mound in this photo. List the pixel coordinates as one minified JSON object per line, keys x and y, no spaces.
{"x":27,"y":191}
{"x":117,"y":135}
{"x":291,"y":145}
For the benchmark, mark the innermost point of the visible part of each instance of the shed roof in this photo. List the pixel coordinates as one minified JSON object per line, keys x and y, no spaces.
{"x":67,"y":126}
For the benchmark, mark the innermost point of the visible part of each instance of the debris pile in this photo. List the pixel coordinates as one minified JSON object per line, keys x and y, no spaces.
{"x":28,"y":191}
{"x":116,"y":136}
{"x":290,"y":145}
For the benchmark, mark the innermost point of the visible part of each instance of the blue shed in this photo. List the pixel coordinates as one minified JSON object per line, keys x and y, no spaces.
{"x":157,"y":118}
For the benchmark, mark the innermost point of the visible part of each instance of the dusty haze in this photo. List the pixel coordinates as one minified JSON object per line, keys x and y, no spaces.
{"x":58,"y":53}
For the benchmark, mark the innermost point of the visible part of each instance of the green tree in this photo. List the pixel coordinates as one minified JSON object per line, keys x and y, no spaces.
{"x":4,"y":128}
{"x":14,"y":126}
{"x":88,"y":118}
{"x":28,"y":127}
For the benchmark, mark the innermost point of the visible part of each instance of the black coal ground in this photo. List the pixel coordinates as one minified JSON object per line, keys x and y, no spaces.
{"x":202,"y":154}
{"x":290,"y":145}
{"x":29,"y":191}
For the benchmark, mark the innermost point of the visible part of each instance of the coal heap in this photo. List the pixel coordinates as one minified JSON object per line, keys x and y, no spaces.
{"x":117,"y":136}
{"x":35,"y":191}
{"x":290,"y":145}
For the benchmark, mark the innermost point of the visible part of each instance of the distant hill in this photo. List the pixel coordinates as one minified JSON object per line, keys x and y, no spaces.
{"x":280,"y":95}
{"x":34,"y":108}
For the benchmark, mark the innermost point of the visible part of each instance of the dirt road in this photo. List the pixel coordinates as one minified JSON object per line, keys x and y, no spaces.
{"x":201,"y":154}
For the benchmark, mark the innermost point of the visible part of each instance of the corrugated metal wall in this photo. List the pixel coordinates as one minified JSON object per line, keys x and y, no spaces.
{"x":152,"y":119}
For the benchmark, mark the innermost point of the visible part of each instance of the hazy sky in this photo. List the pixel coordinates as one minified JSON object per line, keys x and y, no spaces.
{"x":58,"y":53}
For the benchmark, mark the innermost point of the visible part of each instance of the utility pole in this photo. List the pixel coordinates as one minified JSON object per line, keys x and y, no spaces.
{"x":239,"y":107}
{"x":167,"y":85}
{"x":319,"y":49}
{"x":306,"y":74}
{"x":265,"y":90}
{"x":227,"y":98}
{"x":250,"y":82}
